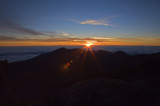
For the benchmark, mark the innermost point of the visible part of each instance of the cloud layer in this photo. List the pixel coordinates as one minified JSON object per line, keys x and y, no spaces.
{"x":7,"y":24}
{"x":68,"y":40}
{"x":95,"y":22}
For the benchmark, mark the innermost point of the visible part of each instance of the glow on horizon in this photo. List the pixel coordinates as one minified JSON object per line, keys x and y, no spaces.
{"x":114,"y":42}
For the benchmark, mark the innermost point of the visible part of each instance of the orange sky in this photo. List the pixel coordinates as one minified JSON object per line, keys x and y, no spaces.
{"x":95,"y":41}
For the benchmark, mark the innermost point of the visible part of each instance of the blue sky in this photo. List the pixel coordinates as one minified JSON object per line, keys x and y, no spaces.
{"x":79,"y":18}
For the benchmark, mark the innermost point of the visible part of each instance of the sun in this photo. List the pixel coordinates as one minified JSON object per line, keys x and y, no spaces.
{"x":88,"y":44}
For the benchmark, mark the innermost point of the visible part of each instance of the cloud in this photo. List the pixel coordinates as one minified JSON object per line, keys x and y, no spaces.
{"x":59,"y":38}
{"x":49,"y":33}
{"x":67,"y":40}
{"x":7,"y":24}
{"x":95,"y":22}
{"x":9,"y":38}
{"x":102,"y":38}
{"x":53,"y":38}
{"x":65,"y":34}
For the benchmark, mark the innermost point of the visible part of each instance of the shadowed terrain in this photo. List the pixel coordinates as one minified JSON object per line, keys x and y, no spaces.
{"x":77,"y":77}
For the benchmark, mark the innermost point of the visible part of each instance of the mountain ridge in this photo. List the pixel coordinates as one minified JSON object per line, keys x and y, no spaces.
{"x":58,"y":72}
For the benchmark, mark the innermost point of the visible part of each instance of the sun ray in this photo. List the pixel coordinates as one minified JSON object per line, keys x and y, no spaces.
{"x":89,"y":49}
{"x":94,"y":57}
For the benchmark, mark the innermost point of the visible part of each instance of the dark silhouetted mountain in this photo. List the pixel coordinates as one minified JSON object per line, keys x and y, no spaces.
{"x":79,"y":77}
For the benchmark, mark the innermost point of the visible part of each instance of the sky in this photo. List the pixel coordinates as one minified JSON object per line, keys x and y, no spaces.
{"x":76,"y":22}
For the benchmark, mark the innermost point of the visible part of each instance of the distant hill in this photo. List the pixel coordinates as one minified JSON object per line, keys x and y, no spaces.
{"x":48,"y":78}
{"x":97,"y":61}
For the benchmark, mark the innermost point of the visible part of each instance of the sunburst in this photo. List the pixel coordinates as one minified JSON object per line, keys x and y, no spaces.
{"x":88,"y":44}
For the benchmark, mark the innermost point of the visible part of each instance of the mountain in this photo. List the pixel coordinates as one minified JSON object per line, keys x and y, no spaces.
{"x":69,"y":76}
